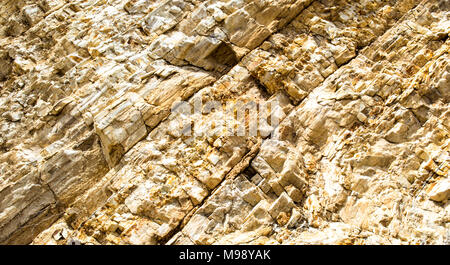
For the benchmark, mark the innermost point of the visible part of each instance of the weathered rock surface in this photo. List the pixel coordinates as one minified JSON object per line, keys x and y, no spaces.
{"x":91,"y":150}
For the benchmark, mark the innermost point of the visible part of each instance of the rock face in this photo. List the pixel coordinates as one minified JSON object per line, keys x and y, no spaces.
{"x":353,"y":147}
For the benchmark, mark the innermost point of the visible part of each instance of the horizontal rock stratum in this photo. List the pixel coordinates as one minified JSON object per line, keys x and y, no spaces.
{"x":352,"y":107}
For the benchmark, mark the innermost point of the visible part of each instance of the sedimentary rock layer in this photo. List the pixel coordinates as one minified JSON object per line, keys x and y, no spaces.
{"x":92,"y":151}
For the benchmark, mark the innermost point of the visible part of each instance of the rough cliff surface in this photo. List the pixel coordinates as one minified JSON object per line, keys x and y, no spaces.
{"x":92,"y":153}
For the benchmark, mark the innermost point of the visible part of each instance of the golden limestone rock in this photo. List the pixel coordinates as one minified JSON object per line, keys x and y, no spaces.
{"x":224,"y":122}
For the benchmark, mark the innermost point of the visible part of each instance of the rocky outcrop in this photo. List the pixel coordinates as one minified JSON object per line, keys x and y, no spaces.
{"x":130,"y":122}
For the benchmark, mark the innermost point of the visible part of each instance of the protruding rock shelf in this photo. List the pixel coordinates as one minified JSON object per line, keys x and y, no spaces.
{"x":353,"y":147}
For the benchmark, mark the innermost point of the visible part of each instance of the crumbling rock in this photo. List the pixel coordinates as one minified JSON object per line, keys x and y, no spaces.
{"x":93,"y":152}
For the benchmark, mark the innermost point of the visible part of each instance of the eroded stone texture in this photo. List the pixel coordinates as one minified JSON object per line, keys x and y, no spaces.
{"x":93,"y":152}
